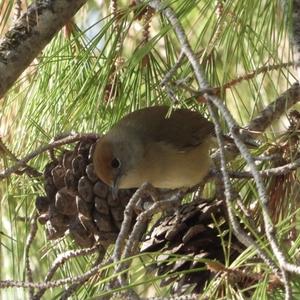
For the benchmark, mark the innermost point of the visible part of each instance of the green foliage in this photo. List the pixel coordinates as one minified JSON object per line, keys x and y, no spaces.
{"x":88,"y":77}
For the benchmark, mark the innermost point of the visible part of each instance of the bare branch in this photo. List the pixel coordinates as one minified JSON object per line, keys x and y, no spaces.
{"x":22,"y":162}
{"x":240,"y":234}
{"x":51,"y":284}
{"x":185,"y":46}
{"x":217,"y":90}
{"x":30,"y":34}
{"x":31,"y":236}
{"x":73,"y":287}
{"x":254,"y":73}
{"x":62,"y":258}
{"x":4,"y":151}
{"x":275,"y":109}
{"x":282,"y":170}
{"x":140,"y":226}
{"x":172,"y":71}
{"x":127,"y":221}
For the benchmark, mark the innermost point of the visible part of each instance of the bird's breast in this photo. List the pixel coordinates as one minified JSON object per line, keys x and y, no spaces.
{"x":167,"y":167}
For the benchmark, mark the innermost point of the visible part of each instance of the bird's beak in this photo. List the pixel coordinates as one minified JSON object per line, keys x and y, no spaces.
{"x":115,"y":188}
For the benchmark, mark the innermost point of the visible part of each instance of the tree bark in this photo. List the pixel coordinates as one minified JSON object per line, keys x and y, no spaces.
{"x":30,"y":34}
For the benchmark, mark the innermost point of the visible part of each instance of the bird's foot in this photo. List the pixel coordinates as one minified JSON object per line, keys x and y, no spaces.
{"x":148,"y":197}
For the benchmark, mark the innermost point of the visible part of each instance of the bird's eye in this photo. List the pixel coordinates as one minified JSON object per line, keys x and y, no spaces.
{"x":115,"y":163}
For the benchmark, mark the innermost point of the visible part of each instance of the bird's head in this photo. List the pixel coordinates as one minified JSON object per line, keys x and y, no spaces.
{"x":116,"y":154}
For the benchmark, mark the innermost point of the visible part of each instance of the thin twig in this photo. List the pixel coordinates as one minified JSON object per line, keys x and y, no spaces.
{"x":269,"y":114}
{"x":275,"y":109}
{"x":52,"y":284}
{"x":141,"y":225}
{"x":168,"y":76}
{"x":282,"y":170}
{"x":73,"y":287}
{"x":254,"y":73}
{"x":61,"y":259}
{"x":4,"y":151}
{"x":127,"y":222}
{"x":218,"y":89}
{"x":185,"y":46}
{"x":22,"y":162}
{"x":166,"y":80}
{"x":239,"y":232}
{"x":263,"y":198}
{"x":30,"y":239}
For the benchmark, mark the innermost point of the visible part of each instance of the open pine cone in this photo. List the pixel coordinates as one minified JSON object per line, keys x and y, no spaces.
{"x":192,"y":233}
{"x":78,"y":202}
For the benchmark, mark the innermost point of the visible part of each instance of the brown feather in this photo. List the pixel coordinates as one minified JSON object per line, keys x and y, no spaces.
{"x":182,"y":129}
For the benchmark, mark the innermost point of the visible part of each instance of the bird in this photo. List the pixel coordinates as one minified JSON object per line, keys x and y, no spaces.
{"x":168,"y":149}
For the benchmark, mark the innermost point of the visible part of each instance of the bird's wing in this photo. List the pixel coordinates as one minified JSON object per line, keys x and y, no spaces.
{"x":182,"y":129}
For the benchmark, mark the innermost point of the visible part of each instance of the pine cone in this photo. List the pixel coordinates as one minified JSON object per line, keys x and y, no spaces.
{"x":78,"y":202}
{"x":190,"y":232}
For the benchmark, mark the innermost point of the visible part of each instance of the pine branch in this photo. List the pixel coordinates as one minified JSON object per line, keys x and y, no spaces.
{"x":55,"y":144}
{"x":30,"y":34}
{"x":275,"y":109}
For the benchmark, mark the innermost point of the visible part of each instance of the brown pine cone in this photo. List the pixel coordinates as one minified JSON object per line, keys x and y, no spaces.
{"x":192,"y":233}
{"x":78,"y":202}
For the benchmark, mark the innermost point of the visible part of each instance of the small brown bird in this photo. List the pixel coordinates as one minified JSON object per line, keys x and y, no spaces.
{"x":147,"y":145}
